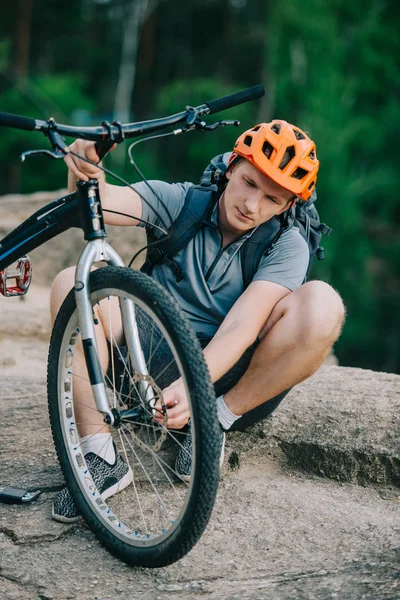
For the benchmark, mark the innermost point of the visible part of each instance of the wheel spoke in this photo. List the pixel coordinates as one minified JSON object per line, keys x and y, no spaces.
{"x":133,"y":481}
{"x":167,"y":465}
{"x":111,"y":341}
{"x":156,"y":492}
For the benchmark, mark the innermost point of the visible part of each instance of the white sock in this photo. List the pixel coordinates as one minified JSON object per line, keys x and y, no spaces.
{"x":100,"y":444}
{"x":225,"y":415}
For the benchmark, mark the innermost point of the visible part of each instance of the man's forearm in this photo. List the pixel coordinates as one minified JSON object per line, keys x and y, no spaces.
{"x":225,"y":349}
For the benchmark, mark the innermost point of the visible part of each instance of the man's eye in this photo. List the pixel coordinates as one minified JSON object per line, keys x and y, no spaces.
{"x":249,"y":183}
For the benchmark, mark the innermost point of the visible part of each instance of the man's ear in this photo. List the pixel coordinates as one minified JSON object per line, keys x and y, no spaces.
{"x":291,"y":203}
{"x":228,"y":173}
{"x":288,"y":206}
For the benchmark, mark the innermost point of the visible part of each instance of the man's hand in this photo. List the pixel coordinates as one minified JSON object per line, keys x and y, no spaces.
{"x":79,"y":168}
{"x":177,"y":404}
{"x":115,"y":198}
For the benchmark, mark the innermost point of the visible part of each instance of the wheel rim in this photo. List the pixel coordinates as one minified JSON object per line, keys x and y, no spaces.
{"x":151,"y":508}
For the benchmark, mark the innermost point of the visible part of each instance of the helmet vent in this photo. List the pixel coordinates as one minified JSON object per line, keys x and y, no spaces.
{"x":287,"y":157}
{"x":299,"y":173}
{"x":256,"y":128}
{"x":299,"y":135}
{"x":267,"y":149}
{"x":247,"y":140}
{"x":310,"y":187}
{"x":312,"y":155}
{"x":276,"y":128}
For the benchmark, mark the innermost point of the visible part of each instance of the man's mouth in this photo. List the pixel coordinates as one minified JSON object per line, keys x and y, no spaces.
{"x":242,"y":216}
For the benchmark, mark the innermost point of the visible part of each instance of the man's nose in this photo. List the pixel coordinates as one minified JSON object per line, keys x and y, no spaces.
{"x":252,"y":202}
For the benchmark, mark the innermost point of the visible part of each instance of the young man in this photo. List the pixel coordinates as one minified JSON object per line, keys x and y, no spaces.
{"x":258,"y":342}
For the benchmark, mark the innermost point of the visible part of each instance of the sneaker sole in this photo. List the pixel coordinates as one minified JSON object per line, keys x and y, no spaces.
{"x":119,"y":486}
{"x":187,"y":478}
{"x":62,"y":519}
{"x":111,"y":491}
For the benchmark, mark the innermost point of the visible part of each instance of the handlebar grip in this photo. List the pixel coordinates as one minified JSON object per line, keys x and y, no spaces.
{"x":103,"y":147}
{"x":257,"y":91}
{"x":17,"y":122}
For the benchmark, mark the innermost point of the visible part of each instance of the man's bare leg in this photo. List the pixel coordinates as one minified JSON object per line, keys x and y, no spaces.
{"x":295,"y":341}
{"x":109,"y":326}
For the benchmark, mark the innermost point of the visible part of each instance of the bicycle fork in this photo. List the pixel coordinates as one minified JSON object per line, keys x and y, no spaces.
{"x":100,"y":250}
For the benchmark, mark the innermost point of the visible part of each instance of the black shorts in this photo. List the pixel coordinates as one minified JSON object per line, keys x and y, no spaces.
{"x":163,"y":357}
{"x":227,"y":381}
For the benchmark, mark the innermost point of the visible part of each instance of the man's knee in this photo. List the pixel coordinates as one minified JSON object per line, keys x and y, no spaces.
{"x":60,"y":288}
{"x":318,"y":312}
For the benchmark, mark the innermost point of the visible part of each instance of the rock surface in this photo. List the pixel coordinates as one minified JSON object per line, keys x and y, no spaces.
{"x":276,"y":532}
{"x":308,"y":504}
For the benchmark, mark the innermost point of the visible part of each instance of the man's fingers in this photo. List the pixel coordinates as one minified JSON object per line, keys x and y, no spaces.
{"x":80,"y":168}
{"x":177,"y":417}
{"x":91,"y":154}
{"x":71,"y":164}
{"x":171,"y":413}
{"x":177,"y":422}
{"x":169,"y":403}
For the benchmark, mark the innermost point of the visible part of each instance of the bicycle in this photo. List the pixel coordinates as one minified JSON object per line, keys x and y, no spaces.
{"x":158,"y":518}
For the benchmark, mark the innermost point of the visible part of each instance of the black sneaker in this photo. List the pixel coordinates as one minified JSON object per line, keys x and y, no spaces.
{"x":183,"y":463}
{"x":109,"y":480}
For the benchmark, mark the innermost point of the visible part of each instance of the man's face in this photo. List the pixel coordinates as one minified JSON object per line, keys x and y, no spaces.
{"x":250,"y":198}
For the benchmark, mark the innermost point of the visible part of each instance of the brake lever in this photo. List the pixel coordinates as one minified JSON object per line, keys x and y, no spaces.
{"x":203,"y":126}
{"x":56,"y":154}
{"x":57,"y":141}
{"x":234,"y":123}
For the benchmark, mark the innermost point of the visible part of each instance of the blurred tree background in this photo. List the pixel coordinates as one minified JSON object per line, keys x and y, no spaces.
{"x":330,"y":66}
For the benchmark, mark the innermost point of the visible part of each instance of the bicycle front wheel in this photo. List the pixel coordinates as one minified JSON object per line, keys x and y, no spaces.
{"x":159,"y":515}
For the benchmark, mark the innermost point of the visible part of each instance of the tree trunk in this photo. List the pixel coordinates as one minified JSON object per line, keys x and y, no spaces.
{"x":137,"y":11}
{"x":23,"y":38}
{"x":267,"y":103}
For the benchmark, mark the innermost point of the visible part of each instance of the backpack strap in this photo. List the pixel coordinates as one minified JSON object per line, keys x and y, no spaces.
{"x":199,"y":203}
{"x":258,"y":245}
{"x":306,"y":218}
{"x":215,"y":171}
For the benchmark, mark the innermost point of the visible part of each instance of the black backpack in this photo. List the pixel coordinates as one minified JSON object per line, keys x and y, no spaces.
{"x":199,"y":204}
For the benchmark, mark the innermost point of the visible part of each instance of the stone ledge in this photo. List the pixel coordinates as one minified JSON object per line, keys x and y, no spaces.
{"x":342,"y":423}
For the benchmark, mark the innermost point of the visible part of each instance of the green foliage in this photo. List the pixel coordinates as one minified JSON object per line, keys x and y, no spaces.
{"x":5,"y":52}
{"x":46,"y":96}
{"x":330,"y":67}
{"x":345,"y":81}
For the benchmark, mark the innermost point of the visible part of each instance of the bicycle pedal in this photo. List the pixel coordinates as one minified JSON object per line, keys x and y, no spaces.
{"x":21,"y":277}
{"x":14,"y":495}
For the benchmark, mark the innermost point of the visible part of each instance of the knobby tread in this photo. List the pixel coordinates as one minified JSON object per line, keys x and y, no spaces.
{"x":205,"y":480}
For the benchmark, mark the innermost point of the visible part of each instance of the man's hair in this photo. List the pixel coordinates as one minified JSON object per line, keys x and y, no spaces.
{"x":285,"y":160}
{"x":236,"y":161}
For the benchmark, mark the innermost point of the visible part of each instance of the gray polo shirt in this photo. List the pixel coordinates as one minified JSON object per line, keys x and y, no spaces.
{"x":213,"y":275}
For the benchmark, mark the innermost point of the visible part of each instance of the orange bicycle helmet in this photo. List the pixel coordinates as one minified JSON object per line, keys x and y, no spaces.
{"x":284,"y":153}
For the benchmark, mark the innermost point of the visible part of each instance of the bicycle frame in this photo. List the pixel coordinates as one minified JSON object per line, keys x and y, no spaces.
{"x":81,"y":209}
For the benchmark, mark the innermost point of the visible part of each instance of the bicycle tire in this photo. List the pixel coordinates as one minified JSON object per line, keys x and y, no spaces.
{"x":199,"y":496}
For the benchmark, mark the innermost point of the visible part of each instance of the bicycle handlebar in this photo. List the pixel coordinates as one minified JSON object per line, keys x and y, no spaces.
{"x":117,"y":132}
{"x":17,"y":122}
{"x":225,"y":102}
